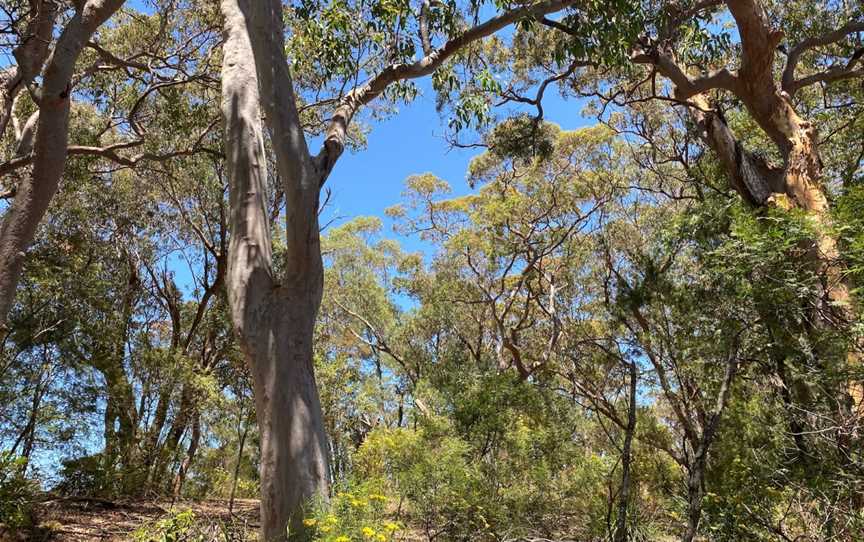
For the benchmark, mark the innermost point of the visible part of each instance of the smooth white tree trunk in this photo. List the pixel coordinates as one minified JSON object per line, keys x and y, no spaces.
{"x":274,"y":321}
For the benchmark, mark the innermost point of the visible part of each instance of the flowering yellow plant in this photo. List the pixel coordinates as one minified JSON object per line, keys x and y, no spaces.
{"x":353,"y":516}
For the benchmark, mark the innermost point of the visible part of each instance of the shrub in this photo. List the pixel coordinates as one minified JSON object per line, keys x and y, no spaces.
{"x":177,"y":527}
{"x":186,"y":526}
{"x":358,"y":515}
{"x":17,"y":493}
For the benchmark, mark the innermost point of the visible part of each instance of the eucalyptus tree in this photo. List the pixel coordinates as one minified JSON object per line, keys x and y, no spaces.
{"x":770,"y":88}
{"x":51,"y":131}
{"x":820,"y":54}
{"x":118,"y":76}
{"x":275,"y":316}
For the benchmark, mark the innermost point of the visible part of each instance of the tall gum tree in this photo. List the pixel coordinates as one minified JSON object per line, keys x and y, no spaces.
{"x":770,"y":101}
{"x":798,"y":183}
{"x":56,"y":65}
{"x":752,"y":73}
{"x":274,"y":317}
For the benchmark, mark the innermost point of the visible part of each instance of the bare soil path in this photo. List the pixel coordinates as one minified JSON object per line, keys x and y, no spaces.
{"x":82,"y":519}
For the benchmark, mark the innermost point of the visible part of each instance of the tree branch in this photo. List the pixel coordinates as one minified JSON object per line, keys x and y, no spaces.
{"x":334,"y":144}
{"x":109,"y":152}
{"x":788,"y":81}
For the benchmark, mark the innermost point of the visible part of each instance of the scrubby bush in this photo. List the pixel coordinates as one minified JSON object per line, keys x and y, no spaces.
{"x":363,"y":513}
{"x":187,"y":526}
{"x":179,"y":526}
{"x":491,"y":473}
{"x":17,"y":493}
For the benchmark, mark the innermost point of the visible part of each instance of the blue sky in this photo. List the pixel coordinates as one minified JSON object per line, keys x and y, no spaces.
{"x":367,"y":182}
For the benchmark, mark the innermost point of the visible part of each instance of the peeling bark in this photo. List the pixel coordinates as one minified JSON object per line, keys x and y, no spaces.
{"x":798,"y":182}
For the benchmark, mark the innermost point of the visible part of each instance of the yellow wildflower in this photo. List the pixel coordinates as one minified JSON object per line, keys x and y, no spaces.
{"x":390,"y":526}
{"x":309,"y":522}
{"x":342,"y":538}
{"x":331,"y":519}
{"x":368,"y":532}
{"x":326,"y":528}
{"x":380,"y":537}
{"x":378,"y":497}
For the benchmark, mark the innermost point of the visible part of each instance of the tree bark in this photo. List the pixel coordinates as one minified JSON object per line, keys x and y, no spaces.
{"x":50,"y":147}
{"x":194,"y":441}
{"x":274,"y":322}
{"x":621,"y":530}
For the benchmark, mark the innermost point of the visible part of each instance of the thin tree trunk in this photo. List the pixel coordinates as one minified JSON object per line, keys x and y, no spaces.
{"x":696,"y":476}
{"x":120,"y":408}
{"x":152,"y":449}
{"x":621,"y":529}
{"x":237,"y":466}
{"x":27,"y":438}
{"x":194,"y":440}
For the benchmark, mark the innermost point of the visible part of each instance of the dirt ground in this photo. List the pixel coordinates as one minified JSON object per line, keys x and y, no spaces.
{"x":79,"y":520}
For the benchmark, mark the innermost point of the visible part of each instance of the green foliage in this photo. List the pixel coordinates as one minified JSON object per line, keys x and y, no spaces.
{"x":17,"y":493}
{"x":86,"y":475}
{"x":179,"y":526}
{"x":187,"y":526}
{"x":522,"y":138}
{"x":360,"y":514}
{"x":849,"y":224}
{"x":433,"y":472}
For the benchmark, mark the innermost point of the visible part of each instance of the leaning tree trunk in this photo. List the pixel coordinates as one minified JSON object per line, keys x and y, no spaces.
{"x":50,"y":147}
{"x":796,"y":184}
{"x":274,"y":322}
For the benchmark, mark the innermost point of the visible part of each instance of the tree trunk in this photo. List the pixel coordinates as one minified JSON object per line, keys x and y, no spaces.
{"x":50,"y":147}
{"x":27,"y":437}
{"x":621,"y":530}
{"x":694,"y":501}
{"x":294,"y":463}
{"x":152,"y":451}
{"x":274,"y":323}
{"x":237,"y":465}
{"x":194,"y":440}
